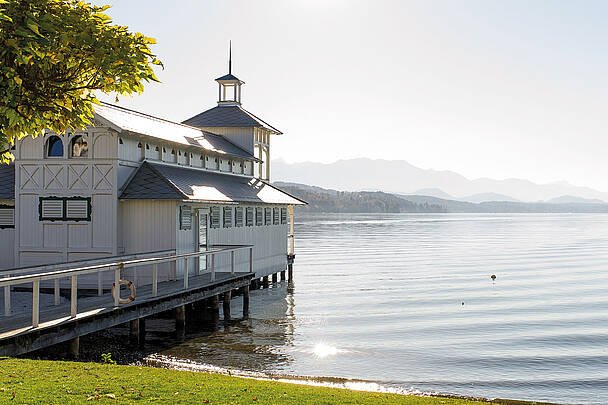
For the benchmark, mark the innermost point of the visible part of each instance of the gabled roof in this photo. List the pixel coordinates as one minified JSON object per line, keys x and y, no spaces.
{"x":7,"y":181}
{"x":228,"y":116}
{"x":159,"y":181}
{"x":123,"y":119}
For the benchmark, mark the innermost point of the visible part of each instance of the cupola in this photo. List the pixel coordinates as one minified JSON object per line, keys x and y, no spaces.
{"x":229,"y":86}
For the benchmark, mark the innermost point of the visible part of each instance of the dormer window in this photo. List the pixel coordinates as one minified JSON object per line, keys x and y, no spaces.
{"x":79,"y":147}
{"x":54,"y":147}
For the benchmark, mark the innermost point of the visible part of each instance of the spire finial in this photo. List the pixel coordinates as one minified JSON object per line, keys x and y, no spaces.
{"x":230,"y":59}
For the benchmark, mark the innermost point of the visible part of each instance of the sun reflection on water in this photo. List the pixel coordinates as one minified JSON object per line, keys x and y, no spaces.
{"x":323,"y":350}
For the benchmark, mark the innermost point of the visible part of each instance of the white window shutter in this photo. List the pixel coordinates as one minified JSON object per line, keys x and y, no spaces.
{"x":52,"y":209}
{"x":77,"y":209}
{"x":7,"y":217}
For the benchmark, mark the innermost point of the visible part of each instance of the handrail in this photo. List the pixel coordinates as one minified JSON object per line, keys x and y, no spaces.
{"x":117,"y":267}
{"x":8,"y":281}
{"x":99,"y":261}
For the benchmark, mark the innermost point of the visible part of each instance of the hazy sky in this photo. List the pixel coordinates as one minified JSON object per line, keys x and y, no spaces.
{"x":485,"y":88}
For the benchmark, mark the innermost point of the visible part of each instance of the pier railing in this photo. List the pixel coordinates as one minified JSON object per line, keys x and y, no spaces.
{"x":20,"y":276}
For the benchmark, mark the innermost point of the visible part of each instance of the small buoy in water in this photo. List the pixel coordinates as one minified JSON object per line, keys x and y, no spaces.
{"x":462,"y":302}
{"x":493,"y":277}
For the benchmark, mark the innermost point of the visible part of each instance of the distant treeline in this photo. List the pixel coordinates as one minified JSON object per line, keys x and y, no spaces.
{"x":339,"y":201}
{"x":324,"y":200}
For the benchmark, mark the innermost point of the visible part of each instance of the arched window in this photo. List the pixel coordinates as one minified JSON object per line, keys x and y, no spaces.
{"x":79,"y":146}
{"x":54,"y":147}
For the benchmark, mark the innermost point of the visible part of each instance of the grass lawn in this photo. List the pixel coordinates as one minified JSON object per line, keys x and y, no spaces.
{"x":55,"y":382}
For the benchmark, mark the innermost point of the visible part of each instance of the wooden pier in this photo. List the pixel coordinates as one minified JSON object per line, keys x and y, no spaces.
{"x":47,"y":323}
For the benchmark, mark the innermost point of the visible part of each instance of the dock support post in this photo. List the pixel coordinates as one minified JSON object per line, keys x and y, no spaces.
{"x":283,"y":275}
{"x":74,"y":348}
{"x":274,"y":278}
{"x":246,"y":302}
{"x":134,"y":332}
{"x":180,"y":321}
{"x":215,"y":307}
{"x":226,"y":306}
{"x":290,"y":272}
{"x":265,"y":282}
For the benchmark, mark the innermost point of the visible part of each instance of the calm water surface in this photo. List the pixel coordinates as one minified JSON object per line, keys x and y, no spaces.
{"x":406,"y":301}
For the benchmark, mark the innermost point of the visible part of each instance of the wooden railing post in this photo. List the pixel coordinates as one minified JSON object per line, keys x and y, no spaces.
{"x":74,"y":297}
{"x":99,"y":283}
{"x":251,"y":260}
{"x":232,"y":262}
{"x":7,"y":299}
{"x":212,"y":266}
{"x":35,"y":303}
{"x":154,"y":280}
{"x":56,"y":291}
{"x":117,"y":286}
{"x":186,"y":273}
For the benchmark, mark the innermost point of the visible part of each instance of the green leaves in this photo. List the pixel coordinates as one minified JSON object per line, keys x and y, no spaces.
{"x":54,"y":55}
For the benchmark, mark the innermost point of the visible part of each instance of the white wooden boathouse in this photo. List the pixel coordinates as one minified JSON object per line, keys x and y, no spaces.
{"x":137,"y":187}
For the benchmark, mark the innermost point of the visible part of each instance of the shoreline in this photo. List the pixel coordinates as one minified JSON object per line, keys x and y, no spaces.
{"x":26,"y":381}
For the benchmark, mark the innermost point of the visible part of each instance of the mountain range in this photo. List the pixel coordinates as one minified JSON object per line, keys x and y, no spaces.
{"x":400,"y":177}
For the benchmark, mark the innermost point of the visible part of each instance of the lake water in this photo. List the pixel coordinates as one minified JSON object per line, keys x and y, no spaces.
{"x":406,"y":302}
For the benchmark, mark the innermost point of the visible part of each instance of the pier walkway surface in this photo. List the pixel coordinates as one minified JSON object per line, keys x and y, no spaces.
{"x":32,"y":319}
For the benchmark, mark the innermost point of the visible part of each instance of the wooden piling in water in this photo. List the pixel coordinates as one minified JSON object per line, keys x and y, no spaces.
{"x":274,"y":278}
{"x":245,"y":302}
{"x":180,"y":321}
{"x":283,"y":275}
{"x":266,"y":282}
{"x":226,"y":305}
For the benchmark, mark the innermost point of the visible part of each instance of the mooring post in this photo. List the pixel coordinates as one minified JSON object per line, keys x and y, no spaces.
{"x":274,"y":278}
{"x":180,"y":321}
{"x":246,"y":302}
{"x":265,"y":282}
{"x":283,"y":275}
{"x":74,"y":348}
{"x":226,"y":306}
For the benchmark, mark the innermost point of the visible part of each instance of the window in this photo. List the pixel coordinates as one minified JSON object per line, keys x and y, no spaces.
{"x":249,"y":216}
{"x":238,"y":216}
{"x":121,"y":142}
{"x":259,"y":216}
{"x":275,"y":216}
{"x":268,"y":216}
{"x":227,"y":217}
{"x":7,"y":216}
{"x":64,"y":209}
{"x":139,"y":145}
{"x":283,"y":216}
{"x":79,"y":147}
{"x":54,"y":147}
{"x":185,"y":217}
{"x":215,"y":217}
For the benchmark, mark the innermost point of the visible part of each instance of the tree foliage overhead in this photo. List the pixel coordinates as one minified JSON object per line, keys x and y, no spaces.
{"x":54,"y":54}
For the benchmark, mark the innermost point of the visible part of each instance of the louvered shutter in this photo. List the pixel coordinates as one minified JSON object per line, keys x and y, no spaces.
{"x":227,"y":217}
{"x":275,"y":216}
{"x":51,"y":209}
{"x":7,"y":217}
{"x":77,"y":209}
{"x":238,"y":217}
{"x":185,"y":217}
{"x":249,"y":216}
{"x":259,"y":216}
{"x":283,"y":216}
{"x":215,"y":217}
